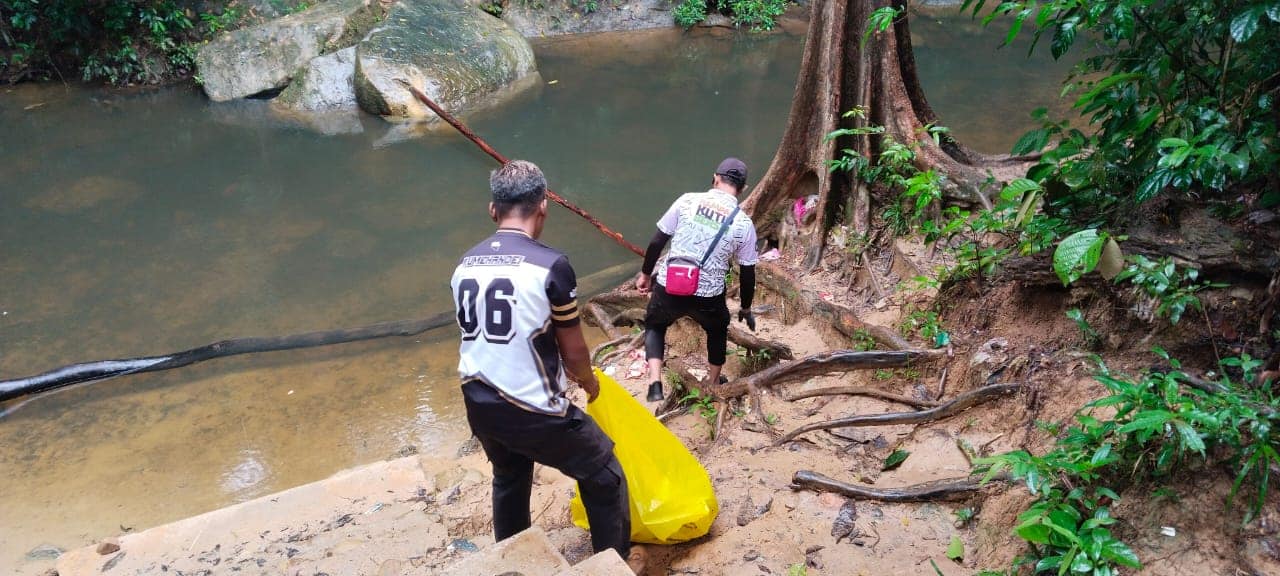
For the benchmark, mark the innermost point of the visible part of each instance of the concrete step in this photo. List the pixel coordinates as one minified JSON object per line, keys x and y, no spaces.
{"x":528,"y":553}
{"x":606,"y":563}
{"x":531,"y":553}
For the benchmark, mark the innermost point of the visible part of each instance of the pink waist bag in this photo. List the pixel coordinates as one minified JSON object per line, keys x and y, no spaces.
{"x":682,"y":277}
{"x":683,"y":273}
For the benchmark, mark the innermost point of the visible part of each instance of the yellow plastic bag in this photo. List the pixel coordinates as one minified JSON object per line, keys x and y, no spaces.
{"x":671,"y":495}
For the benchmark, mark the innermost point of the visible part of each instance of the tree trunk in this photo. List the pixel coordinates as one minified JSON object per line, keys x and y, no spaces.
{"x":840,"y":72}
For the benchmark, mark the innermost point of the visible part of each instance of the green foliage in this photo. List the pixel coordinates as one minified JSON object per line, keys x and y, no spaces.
{"x":797,"y":569}
{"x":895,"y":459}
{"x":1091,"y":337}
{"x":1172,"y":288}
{"x":701,"y":404}
{"x":120,"y":41}
{"x":862,"y":340}
{"x":977,"y":242}
{"x":216,"y":23}
{"x":758,"y":15}
{"x":964,"y":516}
{"x":752,"y":361}
{"x":1179,"y":97}
{"x":928,"y":325}
{"x":1078,"y":254}
{"x":1144,"y":430}
{"x":955,"y":550}
{"x":880,"y":20}
{"x":690,"y":12}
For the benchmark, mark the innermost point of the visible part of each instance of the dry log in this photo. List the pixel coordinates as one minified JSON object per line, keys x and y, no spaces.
{"x":954,"y":406}
{"x":846,"y":321}
{"x":819,"y":364}
{"x":926,"y":492}
{"x":860,"y":391}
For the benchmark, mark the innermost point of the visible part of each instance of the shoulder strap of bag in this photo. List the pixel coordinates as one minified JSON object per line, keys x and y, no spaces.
{"x":716,"y":241}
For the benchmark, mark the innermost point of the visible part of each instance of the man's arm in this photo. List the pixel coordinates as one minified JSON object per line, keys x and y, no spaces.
{"x":562,"y":293}
{"x":577,"y":359}
{"x":747,"y":259}
{"x":666,"y":229}
{"x":651,"y":255}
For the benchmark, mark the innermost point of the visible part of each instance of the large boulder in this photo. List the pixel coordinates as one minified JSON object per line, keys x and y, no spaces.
{"x":323,"y":85}
{"x":322,"y":96}
{"x":459,"y":56}
{"x":251,"y":60}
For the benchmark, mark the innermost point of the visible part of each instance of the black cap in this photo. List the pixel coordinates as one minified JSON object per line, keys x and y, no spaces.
{"x":734,"y":169}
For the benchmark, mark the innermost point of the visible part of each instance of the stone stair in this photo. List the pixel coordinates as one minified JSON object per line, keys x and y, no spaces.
{"x":530,"y":553}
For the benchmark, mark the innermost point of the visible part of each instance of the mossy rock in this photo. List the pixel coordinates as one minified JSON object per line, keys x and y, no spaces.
{"x":265,"y":57}
{"x":458,"y":55}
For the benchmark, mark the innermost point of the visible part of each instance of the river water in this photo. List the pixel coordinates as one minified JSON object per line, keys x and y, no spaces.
{"x":143,"y":223}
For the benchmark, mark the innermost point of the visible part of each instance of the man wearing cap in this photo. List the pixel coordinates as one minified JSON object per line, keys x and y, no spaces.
{"x":706,"y":231}
{"x":517,"y":304}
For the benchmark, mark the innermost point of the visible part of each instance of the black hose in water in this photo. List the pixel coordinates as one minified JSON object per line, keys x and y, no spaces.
{"x":104,"y":369}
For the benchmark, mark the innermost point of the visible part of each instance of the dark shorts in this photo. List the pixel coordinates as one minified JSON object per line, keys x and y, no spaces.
{"x":710,"y":312}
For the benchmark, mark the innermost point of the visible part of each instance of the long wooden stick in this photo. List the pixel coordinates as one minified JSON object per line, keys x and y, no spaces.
{"x":462,"y":128}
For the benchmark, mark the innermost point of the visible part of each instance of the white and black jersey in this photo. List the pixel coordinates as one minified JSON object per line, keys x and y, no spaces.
{"x":510,"y":290}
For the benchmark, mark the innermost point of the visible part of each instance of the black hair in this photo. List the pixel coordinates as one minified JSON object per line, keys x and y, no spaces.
{"x":517,"y":185}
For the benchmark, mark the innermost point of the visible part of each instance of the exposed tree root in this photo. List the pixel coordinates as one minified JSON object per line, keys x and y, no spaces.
{"x":860,"y":391}
{"x":602,"y":320}
{"x":927,"y":492}
{"x":619,"y":344}
{"x":776,"y":350}
{"x":956,"y":405}
{"x":779,"y":280}
{"x":819,"y":364}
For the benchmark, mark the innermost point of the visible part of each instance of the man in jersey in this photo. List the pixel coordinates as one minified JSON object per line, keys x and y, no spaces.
{"x":517,"y":308}
{"x":693,"y":225}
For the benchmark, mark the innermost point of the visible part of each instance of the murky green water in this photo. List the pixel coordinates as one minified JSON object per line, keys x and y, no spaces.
{"x":137,"y":224}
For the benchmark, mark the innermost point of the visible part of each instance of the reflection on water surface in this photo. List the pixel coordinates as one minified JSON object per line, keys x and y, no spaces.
{"x":136,"y":224}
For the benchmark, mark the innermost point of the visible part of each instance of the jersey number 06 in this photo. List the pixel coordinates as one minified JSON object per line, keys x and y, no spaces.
{"x":493,"y":317}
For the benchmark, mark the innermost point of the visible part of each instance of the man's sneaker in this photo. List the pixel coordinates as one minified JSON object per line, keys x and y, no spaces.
{"x":655,"y":392}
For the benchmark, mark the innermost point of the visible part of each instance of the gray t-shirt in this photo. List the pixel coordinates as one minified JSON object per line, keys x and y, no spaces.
{"x":693,"y":221}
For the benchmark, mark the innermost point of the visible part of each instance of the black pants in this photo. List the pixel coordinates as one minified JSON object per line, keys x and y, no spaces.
{"x":514,"y":438}
{"x":710,"y":312}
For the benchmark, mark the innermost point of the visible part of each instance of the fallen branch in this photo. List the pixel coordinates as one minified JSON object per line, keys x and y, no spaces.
{"x":819,"y":364}
{"x":104,"y":369}
{"x":860,"y":391}
{"x":956,"y":405}
{"x":926,"y":492}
